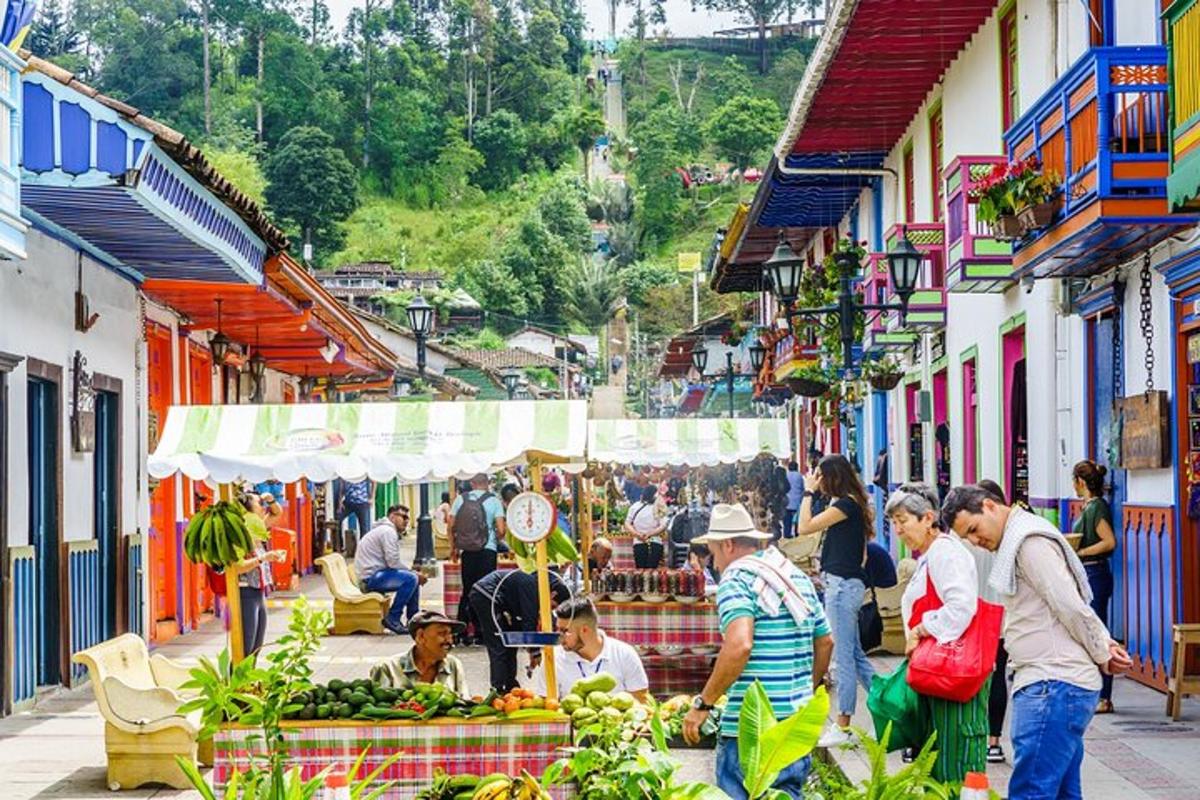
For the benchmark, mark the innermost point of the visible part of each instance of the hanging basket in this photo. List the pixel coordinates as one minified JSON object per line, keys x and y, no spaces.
{"x":1033,"y":218}
{"x":885,"y":381}
{"x":807,"y":387}
{"x":1007,"y":228}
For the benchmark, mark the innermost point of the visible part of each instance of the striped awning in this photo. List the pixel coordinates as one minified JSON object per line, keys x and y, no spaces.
{"x":685,"y":442}
{"x":410,"y":441}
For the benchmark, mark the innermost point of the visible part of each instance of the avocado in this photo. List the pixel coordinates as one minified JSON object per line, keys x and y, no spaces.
{"x":344,"y":693}
{"x":336,"y":685}
{"x":358,"y":699}
{"x":345,"y":710}
{"x":308,"y":712}
{"x":323,"y":711}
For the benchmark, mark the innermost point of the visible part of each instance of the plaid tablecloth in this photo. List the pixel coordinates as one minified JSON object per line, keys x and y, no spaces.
{"x":452,"y":584}
{"x":457,"y":746}
{"x":622,"y":558}
{"x":682,"y":674}
{"x":661,"y":624}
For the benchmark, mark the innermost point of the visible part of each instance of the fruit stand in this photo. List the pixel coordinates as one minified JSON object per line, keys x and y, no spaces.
{"x":414,"y":443}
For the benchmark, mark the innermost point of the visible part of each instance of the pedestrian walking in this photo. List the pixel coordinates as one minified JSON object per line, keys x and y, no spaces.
{"x":507,"y":600}
{"x":945,"y":573}
{"x":998,"y":698}
{"x":1057,"y":645}
{"x":1097,"y":544}
{"x":476,"y":524}
{"x":355,"y":499}
{"x":794,"y":493}
{"x":773,"y":629}
{"x":845,"y":522}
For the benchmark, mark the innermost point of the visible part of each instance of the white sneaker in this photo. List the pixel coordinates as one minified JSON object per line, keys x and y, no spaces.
{"x":835,"y":737}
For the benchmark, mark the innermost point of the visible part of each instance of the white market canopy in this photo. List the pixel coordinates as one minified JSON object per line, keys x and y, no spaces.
{"x":685,"y":442}
{"x":413,"y":442}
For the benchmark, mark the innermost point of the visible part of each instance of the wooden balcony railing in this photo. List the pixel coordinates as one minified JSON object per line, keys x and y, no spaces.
{"x":976,"y":261}
{"x":1183,"y":43}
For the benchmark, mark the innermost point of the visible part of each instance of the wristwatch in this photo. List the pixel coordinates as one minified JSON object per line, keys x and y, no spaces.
{"x":698,"y":704}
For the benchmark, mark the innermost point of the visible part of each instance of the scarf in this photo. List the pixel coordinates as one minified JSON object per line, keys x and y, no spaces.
{"x":1021,"y":524}
{"x":772,"y":584}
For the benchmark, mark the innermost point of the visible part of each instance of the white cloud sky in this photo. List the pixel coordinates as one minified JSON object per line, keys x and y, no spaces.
{"x":681,"y":20}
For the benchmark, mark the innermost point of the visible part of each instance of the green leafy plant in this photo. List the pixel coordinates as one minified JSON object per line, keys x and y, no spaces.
{"x":254,"y":785}
{"x":766,"y":746}
{"x":914,"y":782}
{"x":259,"y":696}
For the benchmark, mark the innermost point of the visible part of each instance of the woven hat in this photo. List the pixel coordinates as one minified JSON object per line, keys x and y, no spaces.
{"x":730,"y":522}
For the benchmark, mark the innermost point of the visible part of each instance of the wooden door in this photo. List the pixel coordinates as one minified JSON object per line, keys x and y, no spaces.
{"x":199,"y":380}
{"x":162,"y":556}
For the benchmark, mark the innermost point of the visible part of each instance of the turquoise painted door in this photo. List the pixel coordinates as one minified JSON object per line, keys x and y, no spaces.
{"x":107,"y":500}
{"x":43,"y":404}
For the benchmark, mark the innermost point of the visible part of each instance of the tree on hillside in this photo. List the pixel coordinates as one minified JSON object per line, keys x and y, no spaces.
{"x":311,"y":183}
{"x":564,"y":214}
{"x":500,"y":139}
{"x":759,"y":13}
{"x":743,"y":127}
{"x":584,"y":125}
{"x":658,"y":185}
{"x":54,"y":37}
{"x":593,"y":293}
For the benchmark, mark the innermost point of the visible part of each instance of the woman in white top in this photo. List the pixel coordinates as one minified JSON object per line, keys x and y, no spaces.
{"x":645,"y":523}
{"x":946,"y":567}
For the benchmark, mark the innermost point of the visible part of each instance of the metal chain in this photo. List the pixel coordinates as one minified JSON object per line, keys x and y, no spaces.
{"x":1147,"y":324}
{"x":1118,"y":356}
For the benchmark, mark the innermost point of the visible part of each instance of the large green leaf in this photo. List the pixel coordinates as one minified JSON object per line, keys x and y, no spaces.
{"x":786,"y":743}
{"x":756,"y":719}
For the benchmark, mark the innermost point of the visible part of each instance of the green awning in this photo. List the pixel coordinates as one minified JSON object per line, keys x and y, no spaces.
{"x":685,"y":442}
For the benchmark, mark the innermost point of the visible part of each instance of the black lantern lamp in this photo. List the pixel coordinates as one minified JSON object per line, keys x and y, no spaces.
{"x":512,"y":377}
{"x":307,"y":385}
{"x":784,"y":269}
{"x":904,"y":266}
{"x":420,"y":316}
{"x":219,"y":343}
{"x":758,"y":355}
{"x":699,"y":358}
{"x":258,"y":367}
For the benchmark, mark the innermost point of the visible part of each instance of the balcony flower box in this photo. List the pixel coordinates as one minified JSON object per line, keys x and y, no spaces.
{"x":1037,"y":216}
{"x":1007,"y":228}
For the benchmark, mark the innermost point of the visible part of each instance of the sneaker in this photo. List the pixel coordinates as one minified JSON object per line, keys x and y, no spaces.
{"x":908,"y":755}
{"x":835,"y":737}
{"x":995,"y":754}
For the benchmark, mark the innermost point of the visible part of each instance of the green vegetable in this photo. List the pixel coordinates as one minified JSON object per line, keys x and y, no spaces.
{"x":571,"y":703}
{"x":483,"y":711}
{"x":583,"y":716}
{"x":358,"y":699}
{"x":323,"y":711}
{"x":623,"y":701}
{"x":598,"y":700}
{"x":600,"y":682}
{"x":308,"y":712}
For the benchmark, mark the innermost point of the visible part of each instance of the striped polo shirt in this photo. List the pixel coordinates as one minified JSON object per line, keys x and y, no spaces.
{"x":782,"y":655}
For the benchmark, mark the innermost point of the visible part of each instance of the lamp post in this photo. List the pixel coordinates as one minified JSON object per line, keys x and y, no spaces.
{"x":511,"y":378}
{"x":758,"y":355}
{"x":784,"y":269}
{"x":729,"y":379}
{"x":420,"y":319}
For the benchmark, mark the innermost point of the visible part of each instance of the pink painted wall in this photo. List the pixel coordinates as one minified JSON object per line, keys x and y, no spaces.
{"x":970,"y":422}
{"x":1013,"y":351}
{"x":941,"y":390}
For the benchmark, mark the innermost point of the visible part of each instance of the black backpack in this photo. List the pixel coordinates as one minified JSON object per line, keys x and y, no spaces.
{"x":471,"y":531}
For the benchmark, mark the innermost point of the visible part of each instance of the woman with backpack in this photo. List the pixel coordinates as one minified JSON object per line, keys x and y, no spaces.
{"x":645,"y":523}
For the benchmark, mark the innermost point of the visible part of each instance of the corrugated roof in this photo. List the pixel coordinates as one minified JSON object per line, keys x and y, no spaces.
{"x":181,"y":150}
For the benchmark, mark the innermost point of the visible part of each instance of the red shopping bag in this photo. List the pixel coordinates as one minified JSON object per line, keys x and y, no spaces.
{"x":957,"y":670}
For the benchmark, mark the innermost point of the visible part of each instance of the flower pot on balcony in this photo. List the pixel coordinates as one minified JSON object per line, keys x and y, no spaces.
{"x":1007,"y":228}
{"x":1035,"y":217}
{"x":885,"y":382}
{"x":807,"y":387}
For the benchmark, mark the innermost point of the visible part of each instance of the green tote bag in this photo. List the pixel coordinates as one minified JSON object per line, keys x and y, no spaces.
{"x":892,"y":700}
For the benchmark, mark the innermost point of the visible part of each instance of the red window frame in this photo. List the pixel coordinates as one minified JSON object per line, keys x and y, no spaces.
{"x":910,"y":195}
{"x":936,"y":145}
{"x":1008,"y":67}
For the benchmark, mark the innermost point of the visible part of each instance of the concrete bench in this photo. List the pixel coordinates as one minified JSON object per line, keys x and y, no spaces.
{"x":354,"y":611}
{"x":139,"y":697}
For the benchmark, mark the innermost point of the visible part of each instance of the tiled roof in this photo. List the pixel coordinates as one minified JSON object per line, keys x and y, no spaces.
{"x":179,"y":148}
{"x":509,"y":358}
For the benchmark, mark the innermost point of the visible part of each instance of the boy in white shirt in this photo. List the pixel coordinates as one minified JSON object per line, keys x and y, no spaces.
{"x":586,"y":651}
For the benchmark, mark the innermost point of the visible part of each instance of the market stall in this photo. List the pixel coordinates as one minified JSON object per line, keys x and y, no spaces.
{"x":414,"y":443}
{"x":673,"y":625}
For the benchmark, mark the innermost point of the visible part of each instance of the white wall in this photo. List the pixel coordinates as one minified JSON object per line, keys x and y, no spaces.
{"x":37,"y":320}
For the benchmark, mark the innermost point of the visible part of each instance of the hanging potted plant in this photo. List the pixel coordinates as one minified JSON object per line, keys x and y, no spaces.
{"x":1036,"y":197}
{"x":883,"y":374}
{"x":811,"y":381}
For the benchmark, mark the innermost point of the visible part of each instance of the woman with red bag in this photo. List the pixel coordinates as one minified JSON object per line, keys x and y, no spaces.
{"x":940,"y":603}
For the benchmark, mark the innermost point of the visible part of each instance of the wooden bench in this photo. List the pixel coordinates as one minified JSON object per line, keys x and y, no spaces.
{"x":354,"y":611}
{"x":1181,"y":683}
{"x":139,"y":698}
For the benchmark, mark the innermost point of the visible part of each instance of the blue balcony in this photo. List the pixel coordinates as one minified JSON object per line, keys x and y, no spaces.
{"x":1102,"y":128}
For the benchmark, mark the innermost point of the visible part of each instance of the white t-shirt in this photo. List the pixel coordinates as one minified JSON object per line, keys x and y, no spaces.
{"x":644,"y":518}
{"x":616,"y":658}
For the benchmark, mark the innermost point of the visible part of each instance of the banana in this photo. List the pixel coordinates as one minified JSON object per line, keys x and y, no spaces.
{"x":495,"y":789}
{"x":221,"y":544}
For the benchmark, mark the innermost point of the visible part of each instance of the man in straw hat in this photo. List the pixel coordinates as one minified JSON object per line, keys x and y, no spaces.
{"x":773,"y":628}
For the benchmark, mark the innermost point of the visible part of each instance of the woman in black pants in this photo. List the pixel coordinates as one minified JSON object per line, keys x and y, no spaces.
{"x":646,"y":525}
{"x":1096,"y":546}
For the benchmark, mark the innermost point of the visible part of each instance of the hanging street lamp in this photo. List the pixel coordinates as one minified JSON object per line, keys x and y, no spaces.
{"x":511,"y":377}
{"x":758,"y":355}
{"x":700,"y":358}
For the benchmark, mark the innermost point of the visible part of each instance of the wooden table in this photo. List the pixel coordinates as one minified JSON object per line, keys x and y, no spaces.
{"x":458,"y":746}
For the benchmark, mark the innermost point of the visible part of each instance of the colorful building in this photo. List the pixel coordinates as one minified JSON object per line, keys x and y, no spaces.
{"x":1019,"y":356}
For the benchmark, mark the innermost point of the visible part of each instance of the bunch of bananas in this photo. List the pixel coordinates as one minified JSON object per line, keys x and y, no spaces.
{"x":525,"y":787}
{"x":217,"y":535}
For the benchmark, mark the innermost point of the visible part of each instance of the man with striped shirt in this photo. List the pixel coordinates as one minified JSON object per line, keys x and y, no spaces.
{"x":774,"y":630}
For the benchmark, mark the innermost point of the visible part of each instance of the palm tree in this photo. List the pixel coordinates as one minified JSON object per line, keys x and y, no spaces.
{"x":593,"y":293}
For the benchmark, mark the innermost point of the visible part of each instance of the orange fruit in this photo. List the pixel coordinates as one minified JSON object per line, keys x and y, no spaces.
{"x":498,"y":704}
{"x":527,"y":702}
{"x":551,"y":705}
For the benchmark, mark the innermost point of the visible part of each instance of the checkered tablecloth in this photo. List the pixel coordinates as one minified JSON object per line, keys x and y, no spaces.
{"x":661,"y":624}
{"x":452,"y":584}
{"x":622,"y":558}
{"x":682,"y":674}
{"x":457,"y":746}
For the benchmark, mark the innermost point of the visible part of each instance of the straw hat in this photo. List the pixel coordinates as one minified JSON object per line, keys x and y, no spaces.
{"x":730,"y":522}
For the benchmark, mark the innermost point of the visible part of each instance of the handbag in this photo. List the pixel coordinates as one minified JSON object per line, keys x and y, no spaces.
{"x":956,"y":670}
{"x":870,"y":624}
{"x":892,"y":701}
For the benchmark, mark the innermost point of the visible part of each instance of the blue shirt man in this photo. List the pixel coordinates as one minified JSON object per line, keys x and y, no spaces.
{"x":479,"y":563}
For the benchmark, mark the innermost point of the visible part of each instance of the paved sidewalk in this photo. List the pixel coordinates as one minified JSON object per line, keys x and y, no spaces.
{"x":57,"y":749}
{"x":1138,"y":753}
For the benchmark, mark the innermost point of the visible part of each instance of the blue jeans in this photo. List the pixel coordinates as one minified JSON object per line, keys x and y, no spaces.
{"x":843,"y":599}
{"x":729,"y":772}
{"x":1048,"y":722}
{"x":407,"y":588}
{"x":1100,"y":578}
{"x":789,"y":523}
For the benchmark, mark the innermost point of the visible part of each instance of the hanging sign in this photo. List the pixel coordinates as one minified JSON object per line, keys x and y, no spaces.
{"x":83,"y":407}
{"x":1145,"y":431}
{"x":1193,"y":349}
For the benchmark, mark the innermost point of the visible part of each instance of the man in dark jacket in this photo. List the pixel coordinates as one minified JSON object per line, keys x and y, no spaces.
{"x":507,"y":600}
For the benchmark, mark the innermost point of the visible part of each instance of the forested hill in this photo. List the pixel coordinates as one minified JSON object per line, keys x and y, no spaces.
{"x":445,"y":134}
